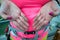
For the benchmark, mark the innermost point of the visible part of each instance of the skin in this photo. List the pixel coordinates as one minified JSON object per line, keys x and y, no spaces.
{"x":42,"y":18}
{"x":8,"y":9}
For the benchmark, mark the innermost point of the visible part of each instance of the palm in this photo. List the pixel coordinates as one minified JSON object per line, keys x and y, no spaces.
{"x":43,"y":17}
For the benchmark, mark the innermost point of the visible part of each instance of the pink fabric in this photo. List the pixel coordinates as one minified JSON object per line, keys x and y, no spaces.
{"x":30,"y":13}
{"x":21,"y":35}
{"x":29,"y":3}
{"x":30,"y":8}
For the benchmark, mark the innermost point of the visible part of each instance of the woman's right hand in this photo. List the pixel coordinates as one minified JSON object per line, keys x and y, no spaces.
{"x":21,"y":22}
{"x":11,"y":12}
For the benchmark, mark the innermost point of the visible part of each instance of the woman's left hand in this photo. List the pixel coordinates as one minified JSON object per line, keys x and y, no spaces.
{"x":43,"y":17}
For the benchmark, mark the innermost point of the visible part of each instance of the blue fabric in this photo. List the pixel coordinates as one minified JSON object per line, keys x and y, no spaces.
{"x":54,"y":24}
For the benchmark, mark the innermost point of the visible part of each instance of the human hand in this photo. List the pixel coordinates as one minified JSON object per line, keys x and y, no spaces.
{"x":21,"y":22}
{"x":43,"y":17}
{"x":14,"y":14}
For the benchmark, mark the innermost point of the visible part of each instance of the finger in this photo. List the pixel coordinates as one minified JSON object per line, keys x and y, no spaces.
{"x":21,"y":24}
{"x":4,"y":9}
{"x":23,"y":16}
{"x":23,"y":21}
{"x":4,"y":16}
{"x":40,"y":26}
{"x":48,"y":18}
{"x":46,"y":22}
{"x":37,"y":21}
{"x":40,"y":22}
{"x":43,"y":22}
{"x":14,"y":11}
{"x":37,"y":16}
{"x":18,"y":26}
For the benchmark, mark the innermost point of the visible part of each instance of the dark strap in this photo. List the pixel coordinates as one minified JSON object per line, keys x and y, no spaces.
{"x":57,"y":1}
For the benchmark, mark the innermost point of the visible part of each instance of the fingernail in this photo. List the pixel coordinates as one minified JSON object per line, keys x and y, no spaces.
{"x":51,"y":13}
{"x":9,"y":18}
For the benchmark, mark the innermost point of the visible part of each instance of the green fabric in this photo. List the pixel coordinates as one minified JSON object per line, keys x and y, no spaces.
{"x":0,"y":1}
{"x":3,"y":24}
